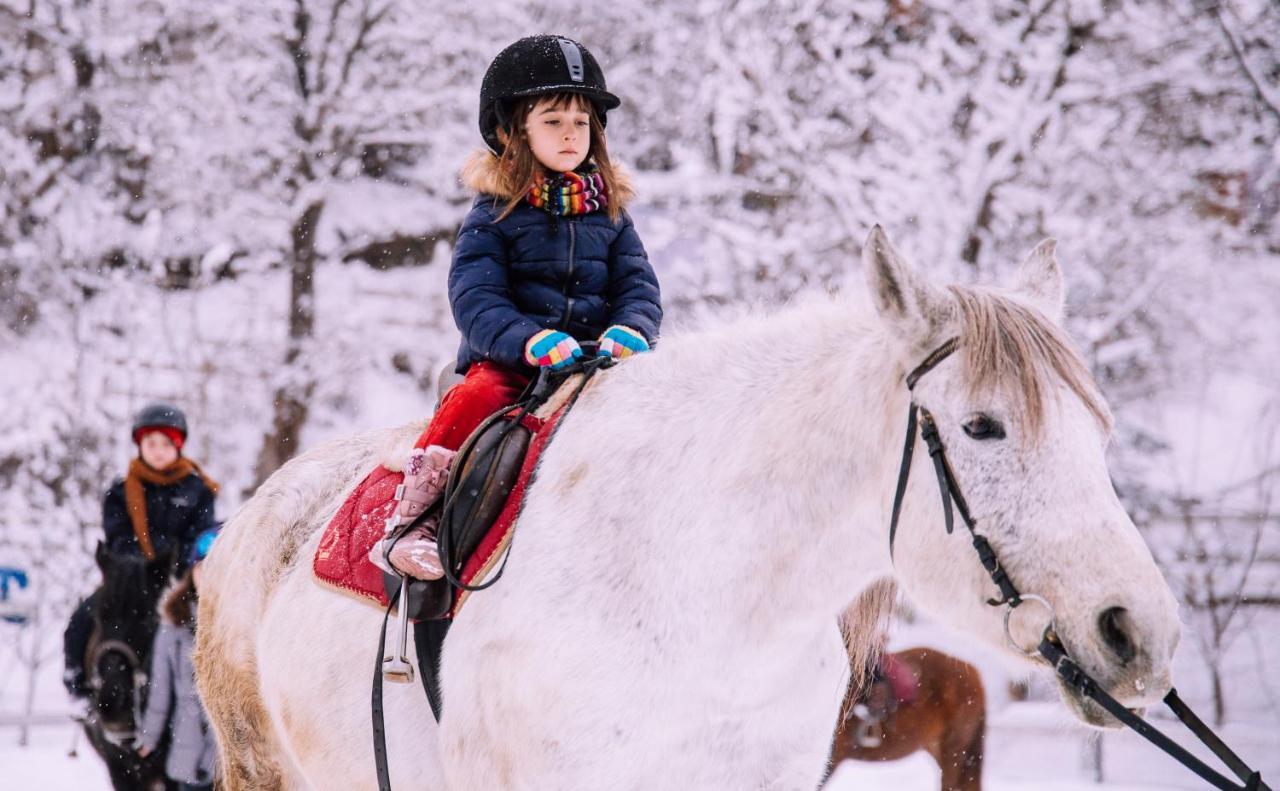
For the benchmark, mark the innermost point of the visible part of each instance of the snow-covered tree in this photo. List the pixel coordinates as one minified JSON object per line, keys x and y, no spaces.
{"x":246,"y":206}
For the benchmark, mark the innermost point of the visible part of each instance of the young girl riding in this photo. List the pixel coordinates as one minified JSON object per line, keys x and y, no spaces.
{"x":156,"y":510}
{"x":547,"y":258}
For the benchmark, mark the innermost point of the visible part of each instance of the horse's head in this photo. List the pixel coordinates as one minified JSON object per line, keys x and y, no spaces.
{"x":125,"y":623}
{"x":1025,"y":431}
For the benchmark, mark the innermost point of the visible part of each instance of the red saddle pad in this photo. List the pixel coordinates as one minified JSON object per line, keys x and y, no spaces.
{"x":900,"y":677}
{"x":342,"y":560}
{"x":343,"y":557}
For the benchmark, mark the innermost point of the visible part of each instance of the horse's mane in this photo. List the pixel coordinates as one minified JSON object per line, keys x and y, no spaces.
{"x":864,"y":626}
{"x":1009,"y":347}
{"x":126,"y":592}
{"x":1012,"y":348}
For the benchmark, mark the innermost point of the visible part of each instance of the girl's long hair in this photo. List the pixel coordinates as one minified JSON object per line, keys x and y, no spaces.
{"x":518,"y":169}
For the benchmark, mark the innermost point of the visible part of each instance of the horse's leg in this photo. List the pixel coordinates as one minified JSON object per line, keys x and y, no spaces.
{"x":961,"y":764}
{"x":153,"y":775}
{"x":119,"y":776}
{"x":965,"y":734}
{"x":967,"y":757}
{"x":116,"y":761}
{"x":125,"y":770}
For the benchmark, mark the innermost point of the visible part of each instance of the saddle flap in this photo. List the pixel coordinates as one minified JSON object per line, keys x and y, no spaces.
{"x":479,"y":489}
{"x":488,"y":474}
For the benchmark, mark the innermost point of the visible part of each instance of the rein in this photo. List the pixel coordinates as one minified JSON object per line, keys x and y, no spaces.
{"x":538,"y":393}
{"x":1051,"y":647}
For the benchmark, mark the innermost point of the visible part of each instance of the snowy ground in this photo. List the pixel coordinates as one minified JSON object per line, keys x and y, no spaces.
{"x":1027,"y":762}
{"x":1031,"y":747}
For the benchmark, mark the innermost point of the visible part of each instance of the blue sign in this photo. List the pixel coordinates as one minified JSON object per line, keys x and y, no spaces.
{"x":19,"y":577}
{"x":8,"y":575}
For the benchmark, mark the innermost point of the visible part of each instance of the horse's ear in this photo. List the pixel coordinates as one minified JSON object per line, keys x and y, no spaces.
{"x":920,"y":313}
{"x":1040,"y":280}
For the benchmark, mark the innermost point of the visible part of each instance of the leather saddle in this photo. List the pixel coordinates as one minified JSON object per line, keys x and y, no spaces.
{"x":485,"y":471}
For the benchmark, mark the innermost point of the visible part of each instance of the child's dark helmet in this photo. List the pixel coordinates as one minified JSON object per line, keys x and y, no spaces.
{"x":540,"y":64}
{"x":159,"y":415}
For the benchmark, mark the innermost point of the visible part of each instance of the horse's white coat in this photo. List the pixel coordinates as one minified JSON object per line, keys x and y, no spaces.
{"x":668,"y":615}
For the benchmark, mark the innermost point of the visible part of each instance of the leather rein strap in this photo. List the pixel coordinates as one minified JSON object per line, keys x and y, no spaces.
{"x":1051,"y":648}
{"x":540,"y":391}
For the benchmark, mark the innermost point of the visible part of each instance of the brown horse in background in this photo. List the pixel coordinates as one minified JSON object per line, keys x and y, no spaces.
{"x":947,"y":719}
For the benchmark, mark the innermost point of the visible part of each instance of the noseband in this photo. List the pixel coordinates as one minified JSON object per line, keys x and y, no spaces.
{"x":1050,"y":647}
{"x":139,"y":678}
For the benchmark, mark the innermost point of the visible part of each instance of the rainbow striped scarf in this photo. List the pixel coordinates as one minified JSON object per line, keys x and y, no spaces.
{"x":569,"y":194}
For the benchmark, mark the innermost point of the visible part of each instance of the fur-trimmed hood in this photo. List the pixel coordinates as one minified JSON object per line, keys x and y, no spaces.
{"x":518,"y":272}
{"x":480,"y":173}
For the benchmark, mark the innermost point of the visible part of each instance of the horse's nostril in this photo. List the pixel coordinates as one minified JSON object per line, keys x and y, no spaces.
{"x":1116,"y":628}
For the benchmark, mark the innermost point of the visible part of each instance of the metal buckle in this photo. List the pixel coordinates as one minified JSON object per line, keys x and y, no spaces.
{"x":1008,"y":611}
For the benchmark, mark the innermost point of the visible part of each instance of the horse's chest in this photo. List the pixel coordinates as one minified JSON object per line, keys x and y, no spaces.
{"x":757,"y":718}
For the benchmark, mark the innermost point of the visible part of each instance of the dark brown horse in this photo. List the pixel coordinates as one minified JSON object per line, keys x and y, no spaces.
{"x":124,"y":624}
{"x":946,"y":718}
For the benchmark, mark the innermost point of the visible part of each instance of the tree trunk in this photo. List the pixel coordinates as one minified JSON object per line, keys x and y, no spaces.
{"x":292,"y":398}
{"x":1219,"y":699}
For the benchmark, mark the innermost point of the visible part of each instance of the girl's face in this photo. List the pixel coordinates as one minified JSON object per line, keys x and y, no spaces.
{"x":560,"y":137}
{"x":157,"y":450}
{"x":196,"y":572}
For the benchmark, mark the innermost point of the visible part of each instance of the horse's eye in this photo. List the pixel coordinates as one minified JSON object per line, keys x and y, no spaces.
{"x":983,"y":427}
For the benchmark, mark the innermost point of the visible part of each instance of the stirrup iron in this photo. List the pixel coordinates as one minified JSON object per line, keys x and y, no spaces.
{"x":396,"y":665}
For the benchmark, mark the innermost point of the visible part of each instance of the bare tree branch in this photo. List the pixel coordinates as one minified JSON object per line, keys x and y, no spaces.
{"x":322,"y":69}
{"x":298,"y":47}
{"x":1269,"y":101}
{"x":369,"y":20}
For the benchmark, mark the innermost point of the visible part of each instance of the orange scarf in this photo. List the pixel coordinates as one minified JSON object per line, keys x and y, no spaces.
{"x":135,"y":501}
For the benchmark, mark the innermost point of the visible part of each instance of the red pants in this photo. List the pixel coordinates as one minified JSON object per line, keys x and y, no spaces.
{"x":486,"y":388}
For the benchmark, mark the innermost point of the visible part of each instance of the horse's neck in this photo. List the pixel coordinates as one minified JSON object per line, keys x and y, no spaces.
{"x":797,"y":429}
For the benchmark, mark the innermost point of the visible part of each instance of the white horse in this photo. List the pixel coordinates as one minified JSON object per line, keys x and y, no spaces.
{"x":668,"y":617}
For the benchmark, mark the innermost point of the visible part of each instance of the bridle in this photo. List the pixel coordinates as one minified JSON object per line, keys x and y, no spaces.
{"x":1050,"y":647}
{"x":139,"y":676}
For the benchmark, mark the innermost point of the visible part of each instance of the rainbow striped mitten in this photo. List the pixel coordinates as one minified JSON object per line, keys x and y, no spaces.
{"x":620,"y":342}
{"x":552,"y":348}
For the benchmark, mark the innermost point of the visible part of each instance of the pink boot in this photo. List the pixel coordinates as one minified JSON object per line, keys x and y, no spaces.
{"x":425,"y":474}
{"x":416,"y":553}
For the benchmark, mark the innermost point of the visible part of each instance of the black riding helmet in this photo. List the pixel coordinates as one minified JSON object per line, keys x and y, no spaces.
{"x":534,"y":65}
{"x":157,"y":415}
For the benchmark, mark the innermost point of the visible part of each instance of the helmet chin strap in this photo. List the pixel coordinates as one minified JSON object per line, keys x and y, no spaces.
{"x":1051,"y":648}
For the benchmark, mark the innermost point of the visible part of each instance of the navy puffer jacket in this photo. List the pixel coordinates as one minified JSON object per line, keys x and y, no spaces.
{"x":514,"y":277}
{"x":176,"y":514}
